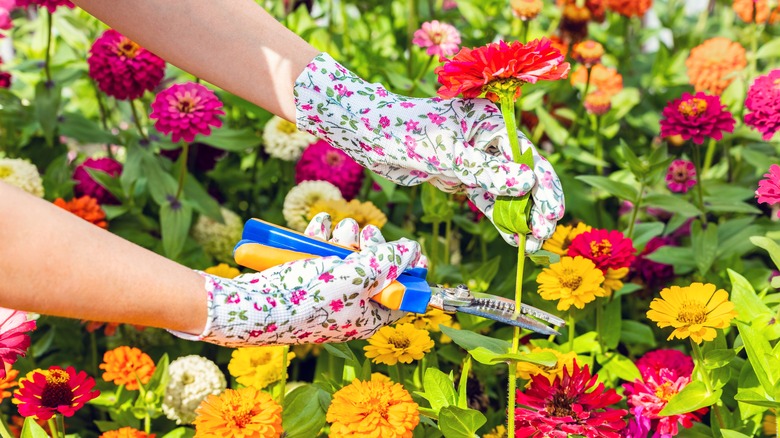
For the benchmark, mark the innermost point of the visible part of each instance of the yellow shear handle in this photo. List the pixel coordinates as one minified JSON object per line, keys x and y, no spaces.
{"x":261,"y":257}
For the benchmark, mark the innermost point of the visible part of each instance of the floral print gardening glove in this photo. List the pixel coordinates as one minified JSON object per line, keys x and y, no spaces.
{"x":456,"y":144}
{"x":310,"y":301}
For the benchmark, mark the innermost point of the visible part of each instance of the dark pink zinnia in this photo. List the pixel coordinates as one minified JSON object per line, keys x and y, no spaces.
{"x":321,"y":161}
{"x":185,"y":110}
{"x":653,"y":274}
{"x":763,"y":99}
{"x":681,"y":176}
{"x":696,"y":117}
{"x":122,"y":68}
{"x":607,"y":249}
{"x":768,"y":191}
{"x":51,"y":5}
{"x":86,"y":185}
{"x":5,"y":79}
{"x":665,"y":362}
{"x":14,"y":337}
{"x":566,"y":407}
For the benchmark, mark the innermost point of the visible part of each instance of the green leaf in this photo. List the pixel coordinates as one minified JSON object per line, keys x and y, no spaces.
{"x":227,"y":139}
{"x":554,"y":130}
{"x":200,"y":199}
{"x":770,"y":246}
{"x":180,"y":432}
{"x":109,"y":182}
{"x":759,"y":352}
{"x":750,"y":307}
{"x":619,"y":366}
{"x":679,"y":257}
{"x":671,"y":203}
{"x":634,"y":332}
{"x":469,"y":340}
{"x":30,"y":429}
{"x":478,"y":279}
{"x":487,"y":357}
{"x":614,"y":188}
{"x":47,"y":107}
{"x":510,"y":213}
{"x":544,"y":257}
{"x":727,"y":433}
{"x":388,"y":187}
{"x":718,"y":358}
{"x":455,"y":422}
{"x":159,"y":380}
{"x":610,"y":325}
{"x":303,"y":415}
{"x":757,"y":398}
{"x":694,"y":396}
{"x":463,"y":383}
{"x":175,"y":221}
{"x":436,"y":205}
{"x":439,"y":389}
{"x":770,"y":49}
{"x":78,"y":127}
{"x":705,"y":245}
{"x":162,"y":185}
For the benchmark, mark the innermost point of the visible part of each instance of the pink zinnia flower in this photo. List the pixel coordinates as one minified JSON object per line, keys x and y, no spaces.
{"x":681,"y":176}
{"x":51,"y":5}
{"x":606,"y":249}
{"x":5,"y":14}
{"x":321,"y":161}
{"x":87,"y":186}
{"x":657,"y":363}
{"x":14,"y":337}
{"x":571,"y":405}
{"x":185,"y":110}
{"x":440,"y":39}
{"x":5,"y":79}
{"x":696,"y":117}
{"x":769,"y":188}
{"x":763,"y":99}
{"x":122,"y":68}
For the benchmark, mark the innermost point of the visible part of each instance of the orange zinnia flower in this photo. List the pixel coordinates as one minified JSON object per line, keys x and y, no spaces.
{"x":85,"y":207}
{"x":8,"y":382}
{"x":711,"y":64}
{"x":126,"y":432}
{"x":126,"y":366}
{"x":244,"y":412}
{"x":604,"y":79}
{"x":747,"y":9}
{"x":630,"y":8}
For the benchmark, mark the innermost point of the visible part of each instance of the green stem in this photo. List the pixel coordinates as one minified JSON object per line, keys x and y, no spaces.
{"x":524,"y":32}
{"x":420,"y":75}
{"x":508,"y":113}
{"x":53,"y":427}
{"x":283,"y":380}
{"x":433,"y":261}
{"x":599,"y":147}
{"x":708,"y":156}
{"x":47,"y":59}
{"x":345,"y":42}
{"x":570,"y":325}
{"x":483,"y":251}
{"x":137,"y":120}
{"x":515,"y":335}
{"x":147,"y":423}
{"x":447,"y":237}
{"x":61,"y":424}
{"x":5,"y":432}
{"x":600,"y":324}
{"x":183,"y":169}
{"x":698,"y":359}
{"x":699,"y":183}
{"x":411,"y":27}
{"x":635,"y":211}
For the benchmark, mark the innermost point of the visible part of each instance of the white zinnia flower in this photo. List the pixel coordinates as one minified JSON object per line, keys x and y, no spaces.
{"x":23,"y":174}
{"x":300,"y":198}
{"x":218,"y":240}
{"x":193,"y":378}
{"x":283,"y":140}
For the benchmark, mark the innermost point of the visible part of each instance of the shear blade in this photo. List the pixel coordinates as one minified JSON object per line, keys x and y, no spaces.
{"x":518,"y":320}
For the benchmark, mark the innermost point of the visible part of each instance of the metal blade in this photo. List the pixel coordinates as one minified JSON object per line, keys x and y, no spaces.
{"x":511,"y":319}
{"x":507,"y":306}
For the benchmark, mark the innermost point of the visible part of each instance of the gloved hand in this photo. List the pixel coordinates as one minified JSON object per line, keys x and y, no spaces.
{"x":310,"y":301}
{"x":456,"y":144}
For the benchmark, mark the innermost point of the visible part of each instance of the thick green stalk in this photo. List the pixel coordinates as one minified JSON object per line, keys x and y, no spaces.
{"x":708,"y":156}
{"x":53,"y":428}
{"x":61,"y":424}
{"x":47,"y":59}
{"x":699,"y":183}
{"x":570,"y":325}
{"x":698,"y":359}
{"x":635,"y":211}
{"x":185,"y":149}
{"x":283,"y":380}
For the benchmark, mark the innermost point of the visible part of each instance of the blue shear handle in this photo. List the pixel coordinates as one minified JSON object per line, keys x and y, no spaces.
{"x":417,"y":292}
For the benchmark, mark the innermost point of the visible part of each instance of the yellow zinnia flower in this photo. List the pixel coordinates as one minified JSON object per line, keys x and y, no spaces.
{"x":694,"y":311}
{"x":564,"y":234}
{"x":223,"y":270}
{"x":244,"y":412}
{"x":372,"y":409}
{"x":364,"y":213}
{"x":573,"y":280}
{"x":402,"y":343}
{"x":429,"y":320}
{"x":498,"y":432}
{"x":258,"y":366}
{"x":527,"y":369}
{"x":613,"y":280}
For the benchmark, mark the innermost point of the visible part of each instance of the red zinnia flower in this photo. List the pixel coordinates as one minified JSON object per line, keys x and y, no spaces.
{"x":186,"y":110}
{"x":763,"y":99}
{"x":51,"y":5}
{"x":769,"y":188}
{"x":681,"y":176}
{"x":696,"y":117}
{"x":44,"y":393}
{"x":88,"y":186}
{"x":607,"y":249}
{"x":14,"y":337}
{"x":122,"y":68}
{"x":563,"y":407}
{"x":474,"y":72}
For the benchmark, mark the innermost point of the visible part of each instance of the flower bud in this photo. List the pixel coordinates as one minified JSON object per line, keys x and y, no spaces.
{"x":598,"y":103}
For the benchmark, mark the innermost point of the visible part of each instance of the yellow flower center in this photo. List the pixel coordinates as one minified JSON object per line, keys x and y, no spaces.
{"x":237,"y":411}
{"x":437,"y":37}
{"x":680,"y":175}
{"x":665,"y":391}
{"x":127,"y":48}
{"x":692,"y":312}
{"x":287,"y":127}
{"x":693,"y":107}
{"x":186,"y":105}
{"x":600,"y":249}
{"x":57,"y":392}
{"x":571,"y":279}
{"x":399,"y":340}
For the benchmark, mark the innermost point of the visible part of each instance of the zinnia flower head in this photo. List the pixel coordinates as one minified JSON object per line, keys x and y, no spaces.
{"x":430,"y":320}
{"x":44,"y":393}
{"x":747,"y":10}
{"x":22,"y":174}
{"x":301,"y":198}
{"x":127,"y":366}
{"x":8,"y":381}
{"x":5,"y":14}
{"x":604,"y":79}
{"x":123,"y":69}
{"x":364,"y":213}
{"x":696,"y":117}
{"x":321,"y":161}
{"x":402,"y":343}
{"x":85,"y":207}
{"x":239,"y":413}
{"x":681,"y":176}
{"x":653,"y":274}
{"x":14,"y":336}
{"x":86,"y":185}
{"x":607,"y":249}
{"x":693,"y":311}
{"x":185,"y":110}
{"x":526,"y":9}
{"x":379,"y":407}
{"x":664,"y":363}
{"x":126,"y":432}
{"x":223,"y":270}
{"x":630,"y":8}
{"x":192,"y":379}
{"x":598,"y":103}
{"x":573,"y":281}
{"x":711,"y":64}
{"x":562,"y":237}
{"x":51,"y":5}
{"x":575,"y":17}
{"x":769,"y":188}
{"x":258,"y":366}
{"x":5,"y":79}
{"x":526,"y":370}
{"x":438,"y":39}
{"x":570,"y":405}
{"x":587,"y":52}
{"x":218,"y":239}
{"x":500,"y":67}
{"x":763,"y":100}
{"x":283,"y":140}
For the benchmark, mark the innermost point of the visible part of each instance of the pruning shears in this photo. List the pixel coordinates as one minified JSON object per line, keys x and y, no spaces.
{"x":265,"y":245}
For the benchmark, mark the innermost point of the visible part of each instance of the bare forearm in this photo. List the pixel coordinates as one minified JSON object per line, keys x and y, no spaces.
{"x":234,"y":44}
{"x":55,"y":263}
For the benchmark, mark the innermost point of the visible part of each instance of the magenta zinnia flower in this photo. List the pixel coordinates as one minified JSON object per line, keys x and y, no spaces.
{"x":696,"y":117}
{"x":657,"y":363}
{"x":653,"y":274}
{"x":185,"y":110}
{"x":87,"y":186}
{"x":5,"y":14}
{"x":54,"y":391}
{"x":763,"y":99}
{"x":5,"y":79}
{"x":122,"y":68}
{"x":606,"y":249}
{"x":769,"y":188}
{"x":14,"y":336}
{"x":681,"y":176}
{"x":321,"y":161}
{"x":51,"y":5}
{"x":563,"y":407}
{"x":437,"y":38}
